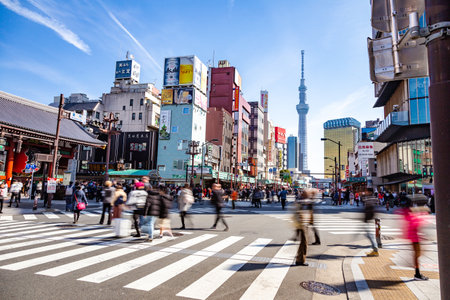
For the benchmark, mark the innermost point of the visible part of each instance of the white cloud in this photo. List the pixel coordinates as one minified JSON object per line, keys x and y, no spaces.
{"x":49,"y":22}
{"x":135,"y":40}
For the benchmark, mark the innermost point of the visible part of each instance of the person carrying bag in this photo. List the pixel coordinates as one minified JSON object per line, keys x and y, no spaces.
{"x":79,"y":203}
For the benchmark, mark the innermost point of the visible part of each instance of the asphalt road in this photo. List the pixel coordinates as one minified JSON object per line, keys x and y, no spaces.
{"x":47,"y":258}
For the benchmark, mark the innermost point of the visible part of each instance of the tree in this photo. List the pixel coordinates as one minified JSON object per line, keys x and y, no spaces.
{"x":285,"y":176}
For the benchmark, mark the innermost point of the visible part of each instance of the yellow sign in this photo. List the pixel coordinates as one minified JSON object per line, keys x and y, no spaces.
{"x":186,"y":70}
{"x":167,"y":96}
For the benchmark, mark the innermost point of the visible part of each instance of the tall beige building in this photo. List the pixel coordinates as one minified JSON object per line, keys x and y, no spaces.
{"x":345,"y":131}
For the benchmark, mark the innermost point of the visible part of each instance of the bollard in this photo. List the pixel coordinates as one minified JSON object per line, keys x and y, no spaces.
{"x":378,"y":232}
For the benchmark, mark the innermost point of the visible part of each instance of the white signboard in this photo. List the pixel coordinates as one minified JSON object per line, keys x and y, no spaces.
{"x":51,"y":185}
{"x":365,"y":150}
{"x":78,"y":117}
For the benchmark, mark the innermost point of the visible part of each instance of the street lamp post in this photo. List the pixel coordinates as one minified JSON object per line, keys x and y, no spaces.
{"x":335,"y":169}
{"x":339,"y":155}
{"x":193,"y":150}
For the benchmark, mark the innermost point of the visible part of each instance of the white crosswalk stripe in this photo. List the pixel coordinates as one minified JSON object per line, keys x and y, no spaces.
{"x":205,"y":286}
{"x":29,"y":217}
{"x":50,"y":215}
{"x":7,"y":218}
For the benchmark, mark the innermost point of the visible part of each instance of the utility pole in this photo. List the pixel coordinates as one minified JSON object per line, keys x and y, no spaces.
{"x":109,"y":122}
{"x":193,"y":150}
{"x":58,"y":126}
{"x":438,"y":45}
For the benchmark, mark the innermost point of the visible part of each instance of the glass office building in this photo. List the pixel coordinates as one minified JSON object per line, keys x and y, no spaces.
{"x":292,"y":152}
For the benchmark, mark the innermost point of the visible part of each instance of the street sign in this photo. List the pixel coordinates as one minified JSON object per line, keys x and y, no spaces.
{"x":78,"y":117}
{"x":51,"y":185}
{"x":381,"y":13}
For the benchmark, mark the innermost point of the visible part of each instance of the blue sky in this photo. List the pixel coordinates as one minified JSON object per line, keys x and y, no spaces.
{"x":50,"y":47}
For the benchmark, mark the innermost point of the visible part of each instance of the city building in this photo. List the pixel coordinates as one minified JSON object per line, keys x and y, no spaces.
{"x":219,"y":125}
{"x":302,"y":110}
{"x":226,"y":92}
{"x":345,"y":131}
{"x":183,"y":120}
{"x":280,"y":145}
{"x":406,"y":161}
{"x":27,"y":128}
{"x":256,"y":138}
{"x":292,"y":152}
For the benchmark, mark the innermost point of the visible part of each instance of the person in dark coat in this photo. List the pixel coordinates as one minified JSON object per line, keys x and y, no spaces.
{"x":152,"y":210}
{"x":166,"y":204}
{"x":217,"y":201}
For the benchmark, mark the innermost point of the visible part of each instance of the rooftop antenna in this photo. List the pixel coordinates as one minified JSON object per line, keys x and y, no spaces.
{"x":128,"y":54}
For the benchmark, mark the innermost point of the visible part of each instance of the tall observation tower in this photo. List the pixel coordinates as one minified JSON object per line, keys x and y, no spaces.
{"x":302,"y":110}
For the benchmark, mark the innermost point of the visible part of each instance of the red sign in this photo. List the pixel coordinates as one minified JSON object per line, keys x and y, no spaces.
{"x":347,"y":172}
{"x":236,"y":99}
{"x":280,"y":135}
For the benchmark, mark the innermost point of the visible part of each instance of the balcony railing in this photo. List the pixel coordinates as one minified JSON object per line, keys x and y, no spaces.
{"x":398,"y":118}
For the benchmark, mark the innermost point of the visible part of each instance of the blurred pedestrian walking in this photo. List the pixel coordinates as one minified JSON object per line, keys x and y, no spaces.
{"x":166,"y":204}
{"x":3,"y":195}
{"x":301,"y":219}
{"x":283,"y":197}
{"x":108,"y":196}
{"x":185,"y":201}
{"x":120,"y":197}
{"x":79,"y":203}
{"x":370,"y":201}
{"x":218,"y":202}
{"x":68,"y":193}
{"x":136,"y":200}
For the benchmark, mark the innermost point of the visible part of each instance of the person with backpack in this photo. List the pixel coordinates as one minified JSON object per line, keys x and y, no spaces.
{"x":108,"y":194}
{"x":217,"y":201}
{"x":68,"y":196}
{"x":120,"y":197}
{"x":79,"y":203}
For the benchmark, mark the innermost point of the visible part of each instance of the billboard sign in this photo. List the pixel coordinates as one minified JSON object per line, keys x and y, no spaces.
{"x":167,"y":96}
{"x":200,"y":100}
{"x":265,"y":100}
{"x":164,"y":124}
{"x":128,"y":69}
{"x":365,"y":150}
{"x":186,"y":70}
{"x":183,"y":95}
{"x":280,"y":135}
{"x":197,"y":72}
{"x":171,"y":71}
{"x":204,"y":79}
{"x":236,"y":99}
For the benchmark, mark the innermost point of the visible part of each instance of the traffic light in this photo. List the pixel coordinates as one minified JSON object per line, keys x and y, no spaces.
{"x":2,"y":148}
{"x":424,"y":171}
{"x":431,"y":171}
{"x":195,"y":174}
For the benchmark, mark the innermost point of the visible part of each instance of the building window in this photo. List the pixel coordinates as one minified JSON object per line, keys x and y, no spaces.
{"x":174,"y":129}
{"x":131,"y":102}
{"x":123,"y":107}
{"x":185,"y":110}
{"x":133,"y":116}
{"x":141,"y":102}
{"x":97,"y":115}
{"x":140,"y":116}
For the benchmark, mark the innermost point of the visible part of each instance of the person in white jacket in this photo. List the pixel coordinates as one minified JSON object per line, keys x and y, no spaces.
{"x":185,"y":200}
{"x":15,"y":193}
{"x":3,"y":194}
{"x":137,"y":199}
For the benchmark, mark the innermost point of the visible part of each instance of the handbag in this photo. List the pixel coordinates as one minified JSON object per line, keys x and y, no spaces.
{"x":80,"y":205}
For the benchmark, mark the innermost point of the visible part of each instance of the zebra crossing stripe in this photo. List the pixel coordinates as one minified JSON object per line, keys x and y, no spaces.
{"x":266,"y":285}
{"x":6,"y":218}
{"x":157,"y":278}
{"x":29,"y":217}
{"x":68,"y":214}
{"x":25,"y":226}
{"x":89,"y":214}
{"x":363,"y":232}
{"x":47,"y":240}
{"x":206,"y":285}
{"x":125,"y":267}
{"x":15,"y":224}
{"x":47,"y":227}
{"x":87,"y":262}
{"x":48,"y":248}
{"x":52,"y":257}
{"x":50,"y":215}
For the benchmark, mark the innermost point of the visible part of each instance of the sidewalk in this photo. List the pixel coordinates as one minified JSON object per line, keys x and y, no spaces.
{"x":388,"y":276}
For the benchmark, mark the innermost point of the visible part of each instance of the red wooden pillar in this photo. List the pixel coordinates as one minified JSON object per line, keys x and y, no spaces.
{"x":10,"y":161}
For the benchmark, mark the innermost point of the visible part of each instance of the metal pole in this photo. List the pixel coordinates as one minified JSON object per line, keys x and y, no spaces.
{"x":58,"y":125}
{"x":108,"y":149}
{"x":201,"y":168}
{"x":439,"y":69}
{"x":339,"y":146}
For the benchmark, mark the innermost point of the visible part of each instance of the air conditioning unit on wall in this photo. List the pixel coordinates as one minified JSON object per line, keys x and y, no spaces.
{"x":127,"y":166}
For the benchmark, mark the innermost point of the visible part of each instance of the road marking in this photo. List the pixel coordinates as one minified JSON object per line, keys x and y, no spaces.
{"x":185,"y":232}
{"x":16,"y":234}
{"x":89,"y":214}
{"x":154,"y":279}
{"x":49,"y":247}
{"x":52,"y":257}
{"x":29,"y":217}
{"x":206,"y":285}
{"x":25,"y":226}
{"x":16,"y":224}
{"x":69,"y":214}
{"x":6,"y":218}
{"x":50,"y":215}
{"x":51,"y":239}
{"x":143,"y":260}
{"x":363,"y":232}
{"x":266,"y":285}
{"x":87,"y":262}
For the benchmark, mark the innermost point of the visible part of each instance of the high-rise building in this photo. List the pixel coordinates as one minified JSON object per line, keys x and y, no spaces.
{"x":292,"y":152}
{"x":280,"y":145}
{"x":302,"y":110}
{"x":345,"y":131}
{"x":219,"y":125}
{"x":256,"y":137}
